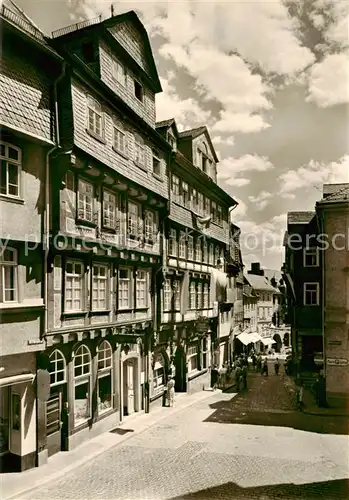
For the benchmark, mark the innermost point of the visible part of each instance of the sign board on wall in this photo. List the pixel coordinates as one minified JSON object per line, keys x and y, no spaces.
{"x":337,"y":361}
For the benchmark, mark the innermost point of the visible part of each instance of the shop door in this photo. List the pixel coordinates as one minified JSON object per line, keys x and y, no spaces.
{"x":54,"y":423}
{"x":129,"y":388}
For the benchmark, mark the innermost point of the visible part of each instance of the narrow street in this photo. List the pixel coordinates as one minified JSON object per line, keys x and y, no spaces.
{"x":216,"y":450}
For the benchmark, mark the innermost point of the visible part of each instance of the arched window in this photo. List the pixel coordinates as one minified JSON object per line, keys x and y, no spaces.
{"x":105,"y":382}
{"x":57,"y":368}
{"x":10,"y":169}
{"x":82,"y":383}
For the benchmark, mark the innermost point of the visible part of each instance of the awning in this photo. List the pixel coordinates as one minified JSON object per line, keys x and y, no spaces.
{"x":268,"y":340}
{"x":16,"y":379}
{"x":256,"y":336}
{"x":247,"y":338}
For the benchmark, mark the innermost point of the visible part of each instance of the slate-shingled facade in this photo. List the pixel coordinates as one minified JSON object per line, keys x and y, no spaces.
{"x":28,"y":136}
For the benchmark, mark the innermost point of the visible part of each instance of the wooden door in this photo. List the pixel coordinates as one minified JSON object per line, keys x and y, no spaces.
{"x":54,"y":423}
{"x":130,"y":387}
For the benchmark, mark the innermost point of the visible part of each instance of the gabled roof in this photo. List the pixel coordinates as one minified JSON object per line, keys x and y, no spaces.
{"x":340,"y":195}
{"x":299,"y":217}
{"x":193,"y":133}
{"x":171,"y":122}
{"x":260,"y":283}
{"x":329,"y":189}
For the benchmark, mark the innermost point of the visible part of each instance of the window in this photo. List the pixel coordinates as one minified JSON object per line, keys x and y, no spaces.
{"x":99,"y":287}
{"x":138,"y":91}
{"x":201,"y":203}
{"x":110,"y":210}
{"x":142,"y":289}
{"x":185,"y":194}
{"x":172,"y":243}
{"x":204,"y":354}
{"x":10,"y":168}
{"x":205,"y":252}
{"x":198,"y":250}
{"x":210,"y":254}
{"x":206,"y":206}
{"x":177,"y":295}
{"x":149,"y":226}
{"x":311,"y":257}
{"x":199,"y":296}
{"x":133,"y":220}
{"x":9,"y":275}
{"x":104,"y":371}
{"x":57,"y":368}
{"x":120,"y":138}
{"x":194,"y":200}
{"x":182,"y":245}
{"x":175,"y":188}
{"x":219,"y":215}
{"x":124,"y":289}
{"x":171,"y":141}
{"x":198,"y":158}
{"x":94,"y":117}
{"x":206,"y":291}
{"x":192,"y":295}
{"x":190,"y":248}
{"x":311,"y":294}
{"x":119,"y":73}
{"x":74,"y":273}
{"x":193,"y":357}
{"x":204,"y":163}
{"x":85,"y":201}
{"x":156,"y":163}
{"x":214,"y":211}
{"x":167,"y":291}
{"x":216,"y":255}
{"x":82,"y":383}
{"x":139,"y":152}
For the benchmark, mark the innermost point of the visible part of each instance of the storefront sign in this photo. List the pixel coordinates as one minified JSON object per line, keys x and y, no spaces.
{"x":36,"y":342}
{"x":337,"y":361}
{"x":334,"y":342}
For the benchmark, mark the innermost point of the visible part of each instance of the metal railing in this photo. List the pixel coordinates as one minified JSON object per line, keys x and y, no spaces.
{"x":77,"y":26}
{"x":21,"y":23}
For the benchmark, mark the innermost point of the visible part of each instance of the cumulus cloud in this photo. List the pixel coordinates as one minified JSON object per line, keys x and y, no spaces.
{"x":261,"y":200}
{"x":314,"y":175}
{"x":231,"y":168}
{"x":329,"y":81}
{"x":239,"y":212}
{"x":218,"y":140}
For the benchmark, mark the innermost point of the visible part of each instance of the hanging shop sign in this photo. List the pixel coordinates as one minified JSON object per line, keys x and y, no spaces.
{"x":337,"y":361}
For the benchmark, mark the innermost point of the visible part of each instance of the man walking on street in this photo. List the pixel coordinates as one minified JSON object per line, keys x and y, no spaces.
{"x":238,"y":374}
{"x":244,"y":376}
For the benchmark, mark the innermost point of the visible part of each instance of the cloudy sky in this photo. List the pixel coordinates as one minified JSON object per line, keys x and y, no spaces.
{"x":269,"y":78}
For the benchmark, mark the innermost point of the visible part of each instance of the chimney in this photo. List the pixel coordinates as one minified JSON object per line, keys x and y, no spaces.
{"x":256,"y":269}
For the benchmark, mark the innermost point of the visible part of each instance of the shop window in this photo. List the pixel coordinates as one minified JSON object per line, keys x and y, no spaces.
{"x":124,"y":289}
{"x":10,"y":170}
{"x":159,"y":373}
{"x":82,"y":385}
{"x":142,"y":289}
{"x":99,"y":287}
{"x":172,"y":243}
{"x":104,"y":367}
{"x":9,"y":274}
{"x":193,"y":357}
{"x":57,"y":368}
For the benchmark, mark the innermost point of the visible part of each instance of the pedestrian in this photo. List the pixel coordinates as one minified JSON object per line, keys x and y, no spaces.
{"x":277,"y":366}
{"x":214,"y":377}
{"x":244,"y":376}
{"x":170,"y":391}
{"x":265,"y":367}
{"x":320,"y":386}
{"x":259,"y":363}
{"x":254,"y":360}
{"x":238,"y":373}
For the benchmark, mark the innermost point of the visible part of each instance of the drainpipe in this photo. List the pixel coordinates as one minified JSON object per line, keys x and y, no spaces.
{"x":322,"y":261}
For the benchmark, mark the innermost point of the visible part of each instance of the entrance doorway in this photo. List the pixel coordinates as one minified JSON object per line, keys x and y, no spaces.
{"x":54,"y":423}
{"x":129,"y":385}
{"x":180,"y":365}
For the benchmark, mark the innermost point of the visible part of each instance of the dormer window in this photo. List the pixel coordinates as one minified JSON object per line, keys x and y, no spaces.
{"x":94,"y":117}
{"x":172,"y":141}
{"x":138,"y":91}
{"x":119,"y":73}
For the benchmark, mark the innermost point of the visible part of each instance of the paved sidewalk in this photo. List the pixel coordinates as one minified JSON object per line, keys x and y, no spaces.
{"x":13,"y":485}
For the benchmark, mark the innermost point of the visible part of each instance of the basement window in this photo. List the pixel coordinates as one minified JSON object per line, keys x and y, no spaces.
{"x":138,"y":91}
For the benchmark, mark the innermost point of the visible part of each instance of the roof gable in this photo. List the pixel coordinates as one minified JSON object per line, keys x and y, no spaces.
{"x":194,"y":133}
{"x":169,"y":124}
{"x":260,"y":283}
{"x":129,"y":32}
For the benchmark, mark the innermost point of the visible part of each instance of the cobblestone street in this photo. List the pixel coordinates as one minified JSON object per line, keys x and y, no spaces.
{"x":215,"y":449}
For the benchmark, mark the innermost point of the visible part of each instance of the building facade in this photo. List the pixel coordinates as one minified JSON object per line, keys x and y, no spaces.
{"x":28,"y":137}
{"x":195,"y":284}
{"x":333,"y":215}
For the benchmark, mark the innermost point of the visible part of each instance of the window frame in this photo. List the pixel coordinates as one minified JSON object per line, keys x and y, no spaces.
{"x":118,"y":128}
{"x":116,"y":74}
{"x":105,"y":371}
{"x":198,"y":250}
{"x":17,"y":163}
{"x":9,"y":264}
{"x":167,"y":295}
{"x":172,"y":243}
{"x":82,"y":379}
{"x":130,"y":288}
{"x":144,"y":280}
{"x":156,"y":160}
{"x":149,"y":226}
{"x":82,"y":287}
{"x":115,"y":225}
{"x":55,"y":372}
{"x":81,"y":212}
{"x":182,"y":245}
{"x":193,"y":354}
{"x":192,"y":296}
{"x":139,"y":156}
{"x":133,"y":233}
{"x":175,"y":188}
{"x":206,"y":296}
{"x":309,"y":252}
{"x":106,"y":290}
{"x":190,"y":248}
{"x":317,"y":292}
{"x":95,"y":107}
{"x":185,"y":194}
{"x":139,"y":86}
{"x":176,"y":289}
